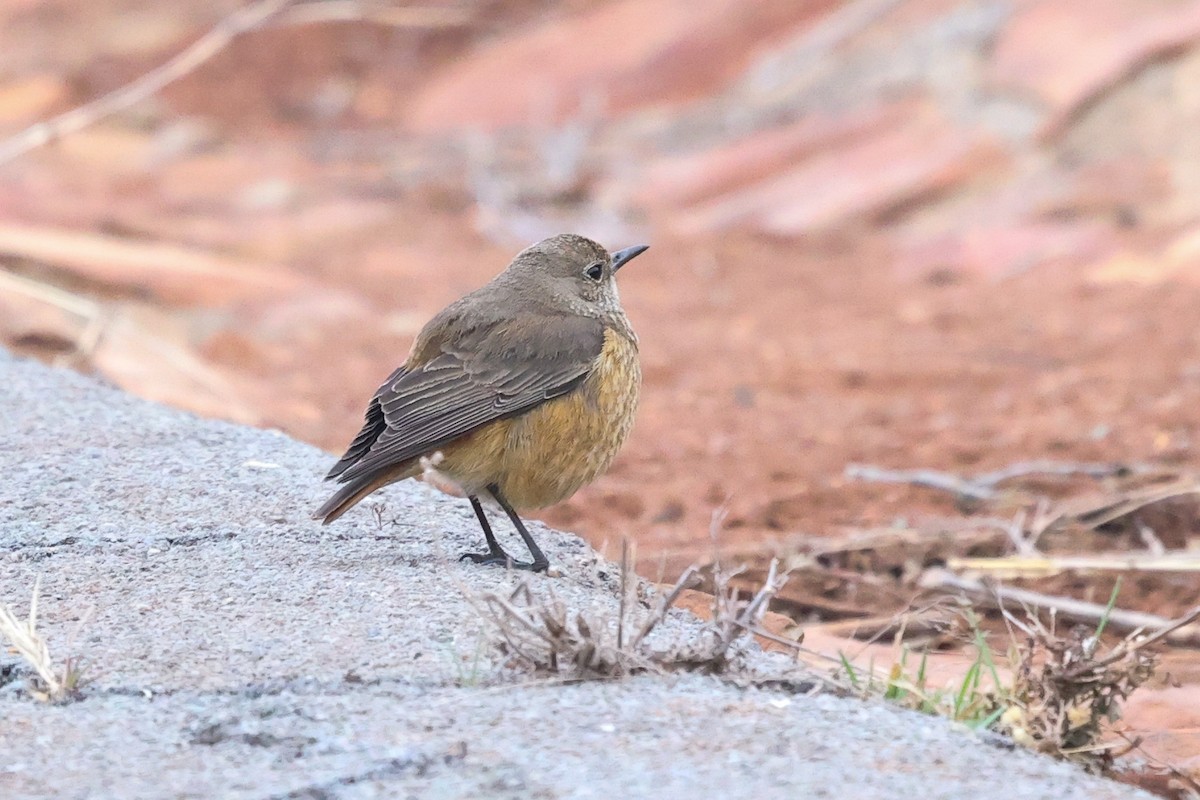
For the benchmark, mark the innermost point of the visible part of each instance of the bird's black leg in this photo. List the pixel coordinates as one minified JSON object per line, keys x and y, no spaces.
{"x":540,"y":562}
{"x":495,"y":553}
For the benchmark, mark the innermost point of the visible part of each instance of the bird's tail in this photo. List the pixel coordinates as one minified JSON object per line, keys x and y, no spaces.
{"x":355,"y":490}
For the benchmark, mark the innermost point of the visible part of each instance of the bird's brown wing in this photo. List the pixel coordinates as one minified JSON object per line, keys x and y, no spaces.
{"x":470,"y":375}
{"x":372,"y":428}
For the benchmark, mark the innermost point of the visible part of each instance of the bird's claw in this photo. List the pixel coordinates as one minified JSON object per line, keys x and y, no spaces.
{"x":500,"y":558}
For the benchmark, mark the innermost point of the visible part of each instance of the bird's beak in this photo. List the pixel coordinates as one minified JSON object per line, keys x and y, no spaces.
{"x":628,"y":254}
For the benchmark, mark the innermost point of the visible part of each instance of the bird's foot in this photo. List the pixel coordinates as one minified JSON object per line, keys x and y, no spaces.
{"x":500,"y":558}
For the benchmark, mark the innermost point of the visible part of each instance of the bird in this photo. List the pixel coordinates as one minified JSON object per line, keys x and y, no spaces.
{"x":521,"y":391}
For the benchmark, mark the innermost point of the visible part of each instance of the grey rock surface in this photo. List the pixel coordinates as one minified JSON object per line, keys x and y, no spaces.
{"x":238,"y":649}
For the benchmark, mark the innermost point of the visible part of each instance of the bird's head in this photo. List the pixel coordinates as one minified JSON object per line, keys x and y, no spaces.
{"x":570,"y":273}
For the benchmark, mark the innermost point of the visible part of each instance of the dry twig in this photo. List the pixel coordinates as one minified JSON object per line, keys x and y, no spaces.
{"x":1043,"y":565}
{"x":1094,"y":512}
{"x":207,"y":46}
{"x":1168,"y":632}
{"x":90,"y":313}
{"x":984,"y":486}
{"x":1182,"y":633}
{"x":927,"y":478}
{"x":553,"y":638}
{"x":322,"y":11}
{"x":242,"y":21}
{"x":1064,"y":696}
{"x":50,"y":684}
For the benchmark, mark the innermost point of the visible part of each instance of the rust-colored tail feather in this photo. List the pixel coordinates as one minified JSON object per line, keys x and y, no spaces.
{"x":346,"y":496}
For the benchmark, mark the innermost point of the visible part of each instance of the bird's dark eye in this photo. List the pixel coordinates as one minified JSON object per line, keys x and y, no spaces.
{"x":595,"y":271}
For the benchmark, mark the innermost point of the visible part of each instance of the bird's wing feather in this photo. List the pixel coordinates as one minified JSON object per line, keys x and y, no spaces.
{"x":472,"y":375}
{"x":372,"y":428}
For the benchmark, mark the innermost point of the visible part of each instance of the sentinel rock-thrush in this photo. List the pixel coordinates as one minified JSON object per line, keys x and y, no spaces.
{"x":527,"y":388}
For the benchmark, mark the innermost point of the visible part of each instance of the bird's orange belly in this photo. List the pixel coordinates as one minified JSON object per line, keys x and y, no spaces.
{"x":566,"y":443}
{"x":545,"y":455}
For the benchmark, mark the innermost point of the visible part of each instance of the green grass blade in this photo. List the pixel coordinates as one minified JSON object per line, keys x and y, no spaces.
{"x":850,"y":672}
{"x":988,"y":721}
{"x":1112,"y":602}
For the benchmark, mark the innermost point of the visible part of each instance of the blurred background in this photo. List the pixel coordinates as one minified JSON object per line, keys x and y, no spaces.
{"x":954,"y":234}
